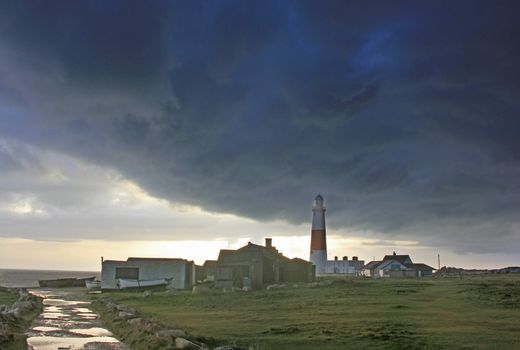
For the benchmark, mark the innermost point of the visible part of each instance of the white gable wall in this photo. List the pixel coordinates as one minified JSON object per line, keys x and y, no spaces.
{"x":148,"y":270}
{"x":387,"y":267}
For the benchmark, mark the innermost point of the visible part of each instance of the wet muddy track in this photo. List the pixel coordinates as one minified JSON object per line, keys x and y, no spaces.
{"x":68,"y":323}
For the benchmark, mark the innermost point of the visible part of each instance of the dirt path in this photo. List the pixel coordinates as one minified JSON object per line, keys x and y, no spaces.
{"x":67,"y":322}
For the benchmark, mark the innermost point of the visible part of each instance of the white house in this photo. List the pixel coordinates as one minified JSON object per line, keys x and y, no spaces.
{"x":391,"y":268}
{"x":344,"y":267}
{"x":181,"y":271}
{"x":396,"y":266}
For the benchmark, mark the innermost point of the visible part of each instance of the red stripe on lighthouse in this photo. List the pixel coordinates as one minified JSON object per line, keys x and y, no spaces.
{"x":318,"y":240}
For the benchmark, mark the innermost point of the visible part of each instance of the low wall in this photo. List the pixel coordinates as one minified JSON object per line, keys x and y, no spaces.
{"x":16,"y":318}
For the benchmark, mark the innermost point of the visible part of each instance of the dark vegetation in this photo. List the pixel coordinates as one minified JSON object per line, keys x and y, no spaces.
{"x":7,"y":298}
{"x":16,"y":314}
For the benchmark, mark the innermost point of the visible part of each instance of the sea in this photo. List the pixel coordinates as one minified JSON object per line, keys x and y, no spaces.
{"x":12,"y":278}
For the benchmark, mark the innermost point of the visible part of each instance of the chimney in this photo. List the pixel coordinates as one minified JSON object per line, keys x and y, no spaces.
{"x":336,"y":258}
{"x":394,"y":253}
{"x":345,"y":258}
{"x":268,"y":242}
{"x":354,"y":258}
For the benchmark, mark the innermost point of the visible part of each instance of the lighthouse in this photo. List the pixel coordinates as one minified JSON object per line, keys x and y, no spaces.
{"x":318,"y":256}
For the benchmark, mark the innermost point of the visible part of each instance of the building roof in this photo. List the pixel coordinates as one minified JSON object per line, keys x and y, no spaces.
{"x":372,"y":265}
{"x":113,"y":261}
{"x":401,"y":258}
{"x":250,"y":245}
{"x":154,"y":259}
{"x":386,"y":263}
{"x":419,"y":266}
{"x":389,"y":259}
{"x":210,"y":263}
{"x":225,"y":253}
{"x":253,"y":251}
{"x":298,"y":260}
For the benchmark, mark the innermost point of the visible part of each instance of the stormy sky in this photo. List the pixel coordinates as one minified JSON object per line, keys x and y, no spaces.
{"x":404,"y":115}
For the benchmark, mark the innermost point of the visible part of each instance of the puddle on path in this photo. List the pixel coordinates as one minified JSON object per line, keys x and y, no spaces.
{"x":68,"y":324}
{"x":92,"y":332}
{"x":82,"y":309}
{"x":53,"y":343}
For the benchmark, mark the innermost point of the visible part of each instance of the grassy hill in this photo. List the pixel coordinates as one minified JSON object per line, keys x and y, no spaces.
{"x":469,"y":313}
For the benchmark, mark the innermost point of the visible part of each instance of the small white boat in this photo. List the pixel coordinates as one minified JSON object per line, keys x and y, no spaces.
{"x":93,"y":284}
{"x":123,"y":283}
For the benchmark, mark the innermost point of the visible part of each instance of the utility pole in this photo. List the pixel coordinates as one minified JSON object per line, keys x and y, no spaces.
{"x":439,"y":260}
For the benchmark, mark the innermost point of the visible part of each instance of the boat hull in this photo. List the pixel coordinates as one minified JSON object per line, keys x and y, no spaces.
{"x":95,"y":284}
{"x":65,"y":282}
{"x":123,"y":283}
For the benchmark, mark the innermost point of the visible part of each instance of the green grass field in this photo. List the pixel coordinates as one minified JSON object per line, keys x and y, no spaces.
{"x":468,"y":313}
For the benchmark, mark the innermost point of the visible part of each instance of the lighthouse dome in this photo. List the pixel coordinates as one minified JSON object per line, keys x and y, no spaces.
{"x":318,"y":202}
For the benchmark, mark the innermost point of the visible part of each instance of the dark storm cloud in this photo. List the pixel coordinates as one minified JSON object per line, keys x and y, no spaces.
{"x":403,"y":114}
{"x":98,"y":45}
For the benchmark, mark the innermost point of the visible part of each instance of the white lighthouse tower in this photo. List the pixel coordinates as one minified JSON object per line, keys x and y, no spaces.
{"x":318,"y":255}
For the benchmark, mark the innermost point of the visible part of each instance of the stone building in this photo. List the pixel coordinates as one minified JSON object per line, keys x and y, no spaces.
{"x":255,"y":266}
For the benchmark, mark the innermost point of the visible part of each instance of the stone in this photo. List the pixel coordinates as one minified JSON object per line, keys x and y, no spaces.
{"x":170,"y":333}
{"x":147,"y":294}
{"x":121,"y":307}
{"x":111,"y":307}
{"x":23,"y":305}
{"x":181,"y":343}
{"x":125,"y":308}
{"x":200,"y":290}
{"x":246,"y":289}
{"x":135,"y":321}
{"x":8,"y":316}
{"x":17,"y":312}
{"x":276,"y":286}
{"x":125,"y":315}
{"x":148,"y":326}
